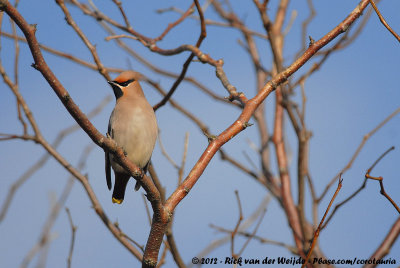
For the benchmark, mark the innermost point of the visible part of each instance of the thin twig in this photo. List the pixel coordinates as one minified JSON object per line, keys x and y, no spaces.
{"x":65,"y":55}
{"x":380,"y":179}
{"x":165,"y":153}
{"x":121,"y":10}
{"x":316,"y":234}
{"x":147,"y":209}
{"x":189,"y":11}
{"x":239,"y":221}
{"x":45,"y":237}
{"x":73,"y":231}
{"x":251,"y":236}
{"x":42,"y":160}
{"x":358,"y":150}
{"x":382,"y":19}
{"x":184,"y":156}
{"x":102,"y":70}
{"x":384,"y":248}
{"x":245,"y":225}
{"x":203,"y":34}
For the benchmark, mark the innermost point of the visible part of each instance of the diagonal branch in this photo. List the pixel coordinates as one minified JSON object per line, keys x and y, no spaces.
{"x":203,"y":35}
{"x":384,"y":248}
{"x":382,"y":19}
{"x":358,"y":150}
{"x":251,"y":105}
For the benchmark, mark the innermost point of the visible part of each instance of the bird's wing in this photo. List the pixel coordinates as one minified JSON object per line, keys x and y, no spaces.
{"x":108,"y":164}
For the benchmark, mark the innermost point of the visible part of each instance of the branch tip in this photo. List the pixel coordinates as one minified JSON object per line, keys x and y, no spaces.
{"x":33,"y":27}
{"x":210,"y":137}
{"x":247,"y":124}
{"x":34,"y":65}
{"x":312,"y":41}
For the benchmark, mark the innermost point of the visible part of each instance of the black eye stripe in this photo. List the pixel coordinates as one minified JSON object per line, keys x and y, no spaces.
{"x":126,"y":83}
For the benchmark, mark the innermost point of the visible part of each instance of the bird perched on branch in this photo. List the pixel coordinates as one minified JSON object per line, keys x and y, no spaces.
{"x":133,"y":126}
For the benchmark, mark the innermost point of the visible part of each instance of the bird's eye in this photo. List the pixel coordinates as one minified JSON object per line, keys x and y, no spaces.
{"x":126,"y":83}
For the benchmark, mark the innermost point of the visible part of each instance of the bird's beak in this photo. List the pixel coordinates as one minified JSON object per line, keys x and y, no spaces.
{"x":116,"y":88}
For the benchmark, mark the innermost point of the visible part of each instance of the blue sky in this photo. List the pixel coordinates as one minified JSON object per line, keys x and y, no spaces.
{"x":354,"y":91}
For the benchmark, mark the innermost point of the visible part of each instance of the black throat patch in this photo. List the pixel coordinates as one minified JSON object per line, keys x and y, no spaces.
{"x":117,"y":90}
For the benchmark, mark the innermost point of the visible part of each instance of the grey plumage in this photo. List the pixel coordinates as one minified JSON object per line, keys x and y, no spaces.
{"x":133,"y":126}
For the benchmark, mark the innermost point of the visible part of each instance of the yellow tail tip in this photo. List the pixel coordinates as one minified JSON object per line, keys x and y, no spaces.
{"x":118,"y":201}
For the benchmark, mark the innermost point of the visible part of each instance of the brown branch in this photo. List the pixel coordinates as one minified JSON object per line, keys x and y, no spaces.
{"x":203,"y":127}
{"x":160,"y":71}
{"x":20,"y":100}
{"x":83,"y":121}
{"x":240,"y":166}
{"x":234,"y":232}
{"x":73,"y":231}
{"x":287,"y":198}
{"x":147,"y":42}
{"x":16,"y":62}
{"x":203,"y":35}
{"x":252,"y":235}
{"x":274,"y":31}
{"x":316,"y":234}
{"x":102,"y":70}
{"x":25,"y":137}
{"x":65,"y":55}
{"x":165,"y":153}
{"x":305,"y":24}
{"x":384,"y":248}
{"x":212,"y":22}
{"x":344,"y":202}
{"x":121,"y":10}
{"x":244,"y":226}
{"x":118,"y":36}
{"x":358,"y":150}
{"x":161,"y":262}
{"x":250,"y":106}
{"x":162,"y":214}
{"x":40,"y":163}
{"x":235,"y":22}
{"x":71,"y":106}
{"x":173,"y":247}
{"x":182,"y":18}
{"x":380,"y":179}
{"x":260,"y":239}
{"x":382,"y":19}
{"x":141,"y":247}
{"x":342,"y":43}
{"x":44,"y":238}
{"x":184,"y":156}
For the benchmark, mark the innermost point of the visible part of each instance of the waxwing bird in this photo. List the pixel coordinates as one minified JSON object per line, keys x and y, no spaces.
{"x":133,"y":126}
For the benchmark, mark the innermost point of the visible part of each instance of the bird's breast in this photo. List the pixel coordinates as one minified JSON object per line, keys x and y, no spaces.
{"x":135,"y":130}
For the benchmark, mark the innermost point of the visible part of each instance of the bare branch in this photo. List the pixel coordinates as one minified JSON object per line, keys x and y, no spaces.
{"x":362,"y":187}
{"x":382,"y":19}
{"x":203,"y":35}
{"x":40,"y":163}
{"x":85,"y":40}
{"x":73,"y":231}
{"x":384,"y":248}
{"x":380,"y":179}
{"x":234,"y":232}
{"x":358,"y":150}
{"x":316,"y":234}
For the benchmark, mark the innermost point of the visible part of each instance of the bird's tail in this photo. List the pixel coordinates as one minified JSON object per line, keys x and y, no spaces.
{"x":121,"y":180}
